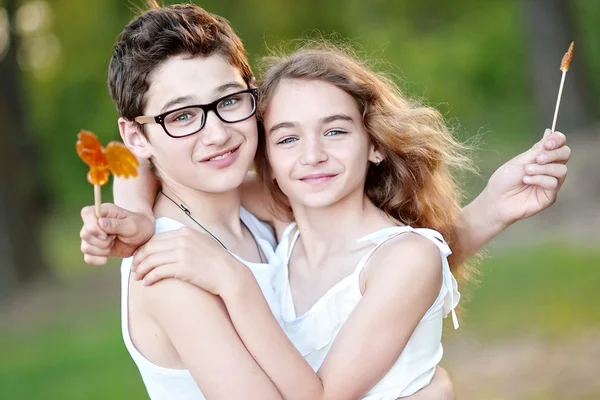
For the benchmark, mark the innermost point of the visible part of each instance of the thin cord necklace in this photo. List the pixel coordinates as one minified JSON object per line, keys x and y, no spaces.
{"x":189,"y":214}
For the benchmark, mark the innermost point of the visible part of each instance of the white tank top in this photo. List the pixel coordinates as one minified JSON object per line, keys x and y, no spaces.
{"x":313,"y":332}
{"x":178,"y":384}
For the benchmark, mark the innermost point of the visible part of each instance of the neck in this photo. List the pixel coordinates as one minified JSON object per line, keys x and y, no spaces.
{"x":218,"y":212}
{"x":336,"y":228}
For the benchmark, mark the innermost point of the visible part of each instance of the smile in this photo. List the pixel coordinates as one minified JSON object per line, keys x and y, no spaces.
{"x":222,"y":159}
{"x":222,"y":156}
{"x":316,"y":179}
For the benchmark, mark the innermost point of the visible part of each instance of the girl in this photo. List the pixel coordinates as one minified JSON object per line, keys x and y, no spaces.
{"x":344,"y":117}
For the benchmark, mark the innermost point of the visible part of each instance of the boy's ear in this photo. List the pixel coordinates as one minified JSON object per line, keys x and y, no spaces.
{"x":134,"y":139}
{"x":252,"y":83}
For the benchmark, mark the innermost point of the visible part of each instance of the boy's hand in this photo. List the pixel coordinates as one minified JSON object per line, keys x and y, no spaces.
{"x":440,"y":388}
{"x":118,"y":233}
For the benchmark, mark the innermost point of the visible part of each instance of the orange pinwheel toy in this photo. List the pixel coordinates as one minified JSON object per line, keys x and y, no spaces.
{"x":115,"y":159}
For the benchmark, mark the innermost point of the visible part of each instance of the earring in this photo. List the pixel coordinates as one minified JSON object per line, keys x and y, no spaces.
{"x":378,"y":161}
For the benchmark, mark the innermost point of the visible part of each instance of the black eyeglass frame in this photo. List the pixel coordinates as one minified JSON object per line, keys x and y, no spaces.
{"x":160,"y":118}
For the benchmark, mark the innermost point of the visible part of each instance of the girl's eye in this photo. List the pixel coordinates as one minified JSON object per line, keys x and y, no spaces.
{"x":335,"y":132}
{"x":287,"y":140}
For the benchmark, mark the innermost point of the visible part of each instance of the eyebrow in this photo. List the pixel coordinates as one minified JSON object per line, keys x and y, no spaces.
{"x":227,"y":86}
{"x":280,"y":125}
{"x":326,"y":120}
{"x":336,"y":117}
{"x":176,"y":101}
{"x":188,"y":99}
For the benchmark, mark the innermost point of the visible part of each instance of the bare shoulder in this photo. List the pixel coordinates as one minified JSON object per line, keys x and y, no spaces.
{"x":173,"y":299}
{"x":407,"y":256}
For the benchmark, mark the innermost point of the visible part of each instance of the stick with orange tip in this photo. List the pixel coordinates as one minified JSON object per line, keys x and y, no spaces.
{"x":115,"y":159}
{"x":564,"y":67}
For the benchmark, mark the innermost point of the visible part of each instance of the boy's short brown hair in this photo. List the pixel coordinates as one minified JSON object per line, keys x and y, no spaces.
{"x":160,"y":33}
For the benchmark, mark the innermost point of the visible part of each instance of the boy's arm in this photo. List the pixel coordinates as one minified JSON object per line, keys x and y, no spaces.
{"x":137,"y":194}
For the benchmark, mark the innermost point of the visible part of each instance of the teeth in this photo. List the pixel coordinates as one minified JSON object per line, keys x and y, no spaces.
{"x":222,"y":156}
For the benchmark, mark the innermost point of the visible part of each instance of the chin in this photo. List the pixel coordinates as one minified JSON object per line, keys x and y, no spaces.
{"x":317,"y":200}
{"x":225,"y":182}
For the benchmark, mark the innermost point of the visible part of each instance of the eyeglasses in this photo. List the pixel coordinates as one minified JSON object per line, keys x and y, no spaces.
{"x":186,"y":121}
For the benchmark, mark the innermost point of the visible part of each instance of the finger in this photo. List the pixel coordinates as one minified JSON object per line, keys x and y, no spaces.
{"x":165,"y":241}
{"x":96,"y":237}
{"x":558,"y":171}
{"x":554,"y":140}
{"x":157,"y":244}
{"x":167,"y":271}
{"x":545,"y":182}
{"x":530,"y":155}
{"x":116,"y":220}
{"x":94,"y":260}
{"x":153,"y":261}
{"x":90,"y":224}
{"x":88,"y":249}
{"x":110,"y":210}
{"x":559,"y":155}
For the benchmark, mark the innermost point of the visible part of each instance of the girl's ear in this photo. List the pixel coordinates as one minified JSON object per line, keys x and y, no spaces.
{"x":134,"y":139}
{"x":375,"y":155}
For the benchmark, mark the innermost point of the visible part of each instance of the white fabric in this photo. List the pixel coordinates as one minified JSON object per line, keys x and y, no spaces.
{"x":178,"y":384}
{"x":313,"y":332}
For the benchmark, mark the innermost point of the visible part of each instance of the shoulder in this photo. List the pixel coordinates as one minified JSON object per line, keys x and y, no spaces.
{"x":407,"y":256}
{"x":172,"y":299}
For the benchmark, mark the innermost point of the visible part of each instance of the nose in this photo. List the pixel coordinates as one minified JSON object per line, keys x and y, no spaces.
{"x":214,"y":133}
{"x":313,"y":151}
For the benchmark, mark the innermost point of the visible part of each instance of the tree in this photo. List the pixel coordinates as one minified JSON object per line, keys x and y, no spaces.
{"x":22,"y":194}
{"x":550,"y":29}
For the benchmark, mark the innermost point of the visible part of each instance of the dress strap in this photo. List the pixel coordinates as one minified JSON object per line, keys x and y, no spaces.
{"x":380,"y":237}
{"x":285,"y":243}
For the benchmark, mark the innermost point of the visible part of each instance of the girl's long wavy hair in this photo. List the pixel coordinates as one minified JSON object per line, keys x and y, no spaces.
{"x":416,"y":182}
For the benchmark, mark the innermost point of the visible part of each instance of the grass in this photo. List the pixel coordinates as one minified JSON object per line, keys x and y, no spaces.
{"x":549,"y":292}
{"x":69,"y":359}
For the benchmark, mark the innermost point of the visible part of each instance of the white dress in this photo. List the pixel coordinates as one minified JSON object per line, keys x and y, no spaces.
{"x":178,"y":384}
{"x":313,"y":332}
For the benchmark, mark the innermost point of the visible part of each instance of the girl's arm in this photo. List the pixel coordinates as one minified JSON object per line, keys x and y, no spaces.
{"x":372,"y":339}
{"x":522,"y":187}
{"x":197,"y":324}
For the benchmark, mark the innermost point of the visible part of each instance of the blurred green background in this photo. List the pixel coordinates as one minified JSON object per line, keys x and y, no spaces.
{"x":531,"y":326}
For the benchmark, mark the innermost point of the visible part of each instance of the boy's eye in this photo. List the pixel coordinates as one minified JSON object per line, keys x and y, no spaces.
{"x":228,"y":102}
{"x":182,"y":117}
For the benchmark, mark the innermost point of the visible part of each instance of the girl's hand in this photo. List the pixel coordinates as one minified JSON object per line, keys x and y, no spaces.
{"x":118,"y":233}
{"x":186,"y":255}
{"x":529,"y":183}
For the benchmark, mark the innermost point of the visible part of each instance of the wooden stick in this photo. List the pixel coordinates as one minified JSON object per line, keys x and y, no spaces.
{"x":560,"y":89}
{"x":97,"y":199}
{"x":564,"y":67}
